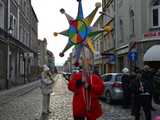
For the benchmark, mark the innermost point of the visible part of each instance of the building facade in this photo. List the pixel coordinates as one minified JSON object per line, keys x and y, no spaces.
{"x":97,"y":57}
{"x":42,"y":52}
{"x":51,"y":61}
{"x":108,"y":39}
{"x":137,"y":26}
{"x":18,"y":40}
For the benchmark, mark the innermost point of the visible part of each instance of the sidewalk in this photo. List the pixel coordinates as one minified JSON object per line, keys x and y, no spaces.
{"x":7,"y":95}
{"x":25,"y":107}
{"x":22,"y":103}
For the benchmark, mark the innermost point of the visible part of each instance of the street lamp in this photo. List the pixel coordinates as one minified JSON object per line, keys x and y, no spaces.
{"x":10,"y":31}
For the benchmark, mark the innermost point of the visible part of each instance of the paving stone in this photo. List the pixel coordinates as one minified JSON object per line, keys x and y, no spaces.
{"x":29,"y":106}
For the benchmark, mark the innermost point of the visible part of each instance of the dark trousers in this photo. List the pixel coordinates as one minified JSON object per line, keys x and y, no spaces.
{"x":145,"y":102}
{"x":133,"y":104}
{"x":126,"y":99}
{"x":79,"y":118}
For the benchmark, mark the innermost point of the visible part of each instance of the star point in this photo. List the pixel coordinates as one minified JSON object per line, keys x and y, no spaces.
{"x":80,"y":33}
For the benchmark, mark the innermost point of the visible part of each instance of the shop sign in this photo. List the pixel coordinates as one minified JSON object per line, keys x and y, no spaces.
{"x":111,"y":59}
{"x":152,"y":34}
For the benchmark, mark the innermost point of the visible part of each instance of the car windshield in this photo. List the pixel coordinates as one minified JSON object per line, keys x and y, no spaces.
{"x":107,"y":78}
{"x":118,"y":77}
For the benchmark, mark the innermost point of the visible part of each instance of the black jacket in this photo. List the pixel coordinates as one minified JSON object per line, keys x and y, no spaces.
{"x":147,"y":81}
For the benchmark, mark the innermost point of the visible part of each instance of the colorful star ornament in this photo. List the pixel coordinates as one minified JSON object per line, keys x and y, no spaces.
{"x":80,"y":32}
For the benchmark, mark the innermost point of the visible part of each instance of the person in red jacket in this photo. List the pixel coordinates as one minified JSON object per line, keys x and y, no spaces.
{"x":86,"y":91}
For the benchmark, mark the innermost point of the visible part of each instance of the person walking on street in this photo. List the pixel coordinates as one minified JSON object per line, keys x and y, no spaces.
{"x":85,"y":102}
{"x":46,"y":88}
{"x":126,"y":90}
{"x":156,"y":84}
{"x":132,"y":78}
{"x":143,"y":93}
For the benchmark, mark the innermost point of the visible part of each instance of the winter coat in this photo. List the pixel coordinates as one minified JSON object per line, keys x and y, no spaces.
{"x":94,"y":91}
{"x":146,"y":78}
{"x":47,"y":82}
{"x":156,"y":83}
{"x":125,"y":83}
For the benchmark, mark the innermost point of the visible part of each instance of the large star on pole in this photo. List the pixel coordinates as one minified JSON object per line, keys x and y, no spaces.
{"x":80,"y":32}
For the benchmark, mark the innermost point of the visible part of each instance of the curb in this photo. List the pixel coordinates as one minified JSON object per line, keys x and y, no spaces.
{"x":10,"y":94}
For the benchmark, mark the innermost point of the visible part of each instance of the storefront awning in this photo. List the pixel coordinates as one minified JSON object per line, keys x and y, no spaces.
{"x":152,"y":54}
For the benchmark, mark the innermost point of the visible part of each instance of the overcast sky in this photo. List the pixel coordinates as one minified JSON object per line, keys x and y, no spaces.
{"x":51,"y":20}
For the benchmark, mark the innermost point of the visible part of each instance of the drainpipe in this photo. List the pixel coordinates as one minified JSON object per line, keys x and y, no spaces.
{"x":116,"y":27}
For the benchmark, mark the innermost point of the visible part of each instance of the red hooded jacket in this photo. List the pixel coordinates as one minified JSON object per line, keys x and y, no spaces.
{"x":82,"y":99}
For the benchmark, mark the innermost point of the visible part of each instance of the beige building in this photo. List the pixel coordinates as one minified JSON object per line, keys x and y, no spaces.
{"x":97,"y":57}
{"x":137,"y":28}
{"x":108,"y":39}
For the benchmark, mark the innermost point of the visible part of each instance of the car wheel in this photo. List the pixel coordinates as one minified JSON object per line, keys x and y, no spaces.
{"x":108,"y":97}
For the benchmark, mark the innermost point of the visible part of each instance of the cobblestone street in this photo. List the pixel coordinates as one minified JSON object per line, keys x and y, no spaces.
{"x":61,"y":106}
{"x":28,"y":106}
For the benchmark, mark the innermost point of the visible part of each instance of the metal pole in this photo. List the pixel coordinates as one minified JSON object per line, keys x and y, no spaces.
{"x":116,"y":31}
{"x":8,"y":64}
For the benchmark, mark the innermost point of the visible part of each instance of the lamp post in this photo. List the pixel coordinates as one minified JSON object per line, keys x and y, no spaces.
{"x":10,"y":30}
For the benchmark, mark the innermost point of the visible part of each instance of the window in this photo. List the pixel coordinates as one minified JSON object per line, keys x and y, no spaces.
{"x":2,"y":15}
{"x":132,"y":29}
{"x":24,"y":36}
{"x":120,"y":3}
{"x":121,"y":30}
{"x":13,"y":25}
{"x":28,"y":40}
{"x":156,"y":13}
{"x":25,"y":7}
{"x":118,"y":78}
{"x":21,"y":33}
{"x":107,"y":78}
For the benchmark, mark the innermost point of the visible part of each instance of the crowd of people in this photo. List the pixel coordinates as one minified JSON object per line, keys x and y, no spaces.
{"x":140,"y":88}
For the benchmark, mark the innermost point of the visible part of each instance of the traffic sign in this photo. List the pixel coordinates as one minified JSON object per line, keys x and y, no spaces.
{"x":132,"y":56}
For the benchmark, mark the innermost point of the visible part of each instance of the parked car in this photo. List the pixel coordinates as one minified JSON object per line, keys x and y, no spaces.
{"x":113,"y":87}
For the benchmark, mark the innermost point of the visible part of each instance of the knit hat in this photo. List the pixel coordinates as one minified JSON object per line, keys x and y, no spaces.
{"x":125,"y":70}
{"x":45,"y":68}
